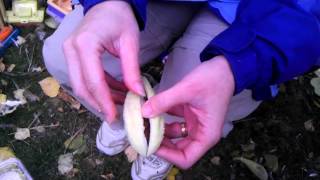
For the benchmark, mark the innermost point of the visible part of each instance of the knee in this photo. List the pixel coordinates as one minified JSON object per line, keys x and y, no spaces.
{"x":54,"y":59}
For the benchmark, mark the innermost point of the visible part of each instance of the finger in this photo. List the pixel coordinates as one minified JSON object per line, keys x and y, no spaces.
{"x":177,"y":111}
{"x":115,"y":84}
{"x":164,"y":101}
{"x":129,"y":52}
{"x":75,"y":75}
{"x":173,"y":130}
{"x":184,"y":158}
{"x":167,"y":142}
{"x":94,"y":75}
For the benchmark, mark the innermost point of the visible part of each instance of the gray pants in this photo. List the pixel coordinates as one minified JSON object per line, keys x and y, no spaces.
{"x":192,"y":25}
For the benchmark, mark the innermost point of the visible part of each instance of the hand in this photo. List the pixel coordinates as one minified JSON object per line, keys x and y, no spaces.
{"x":202,"y":98}
{"x":109,"y":26}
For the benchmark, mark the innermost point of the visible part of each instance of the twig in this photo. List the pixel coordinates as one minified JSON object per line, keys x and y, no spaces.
{"x":35,"y":117}
{"x":47,"y":126}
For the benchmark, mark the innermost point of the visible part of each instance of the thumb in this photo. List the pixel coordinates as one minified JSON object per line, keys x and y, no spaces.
{"x":129,"y":55}
{"x":165,"y":100}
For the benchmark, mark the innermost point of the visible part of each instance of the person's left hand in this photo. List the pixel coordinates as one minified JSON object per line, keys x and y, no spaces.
{"x":202,"y":98}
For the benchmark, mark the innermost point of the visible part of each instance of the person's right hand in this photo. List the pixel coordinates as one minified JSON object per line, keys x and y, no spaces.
{"x":109,"y":26}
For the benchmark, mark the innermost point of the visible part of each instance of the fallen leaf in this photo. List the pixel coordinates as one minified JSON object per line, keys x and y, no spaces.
{"x":3,"y":98}
{"x":317,"y":72}
{"x":108,"y":176}
{"x":308,"y":125}
{"x":315,"y":82}
{"x":39,"y":129}
{"x":131,"y":154}
{"x":36,"y":69}
{"x":271,"y":162}
{"x":30,"y":96}
{"x":254,"y":167}
{"x":69,"y":99}
{"x":60,"y":109}
{"x":6,"y":153}
{"x":11,"y":67}
{"x":65,"y":163}
{"x":74,"y":143}
{"x":20,"y":40}
{"x":22,"y":133}
{"x":215,"y":160}
{"x":4,"y":82}
{"x":98,"y":162}
{"x":172,"y":173}
{"x":248,"y":147}
{"x":2,"y":66}
{"x":18,"y":94}
{"x":50,"y":86}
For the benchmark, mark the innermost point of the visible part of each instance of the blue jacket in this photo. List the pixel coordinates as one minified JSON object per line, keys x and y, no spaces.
{"x":268,"y":41}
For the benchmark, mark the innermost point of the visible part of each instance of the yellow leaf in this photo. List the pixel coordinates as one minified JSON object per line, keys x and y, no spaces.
{"x":3,"y":98}
{"x":11,"y":67}
{"x":50,"y":86}
{"x":6,"y":153}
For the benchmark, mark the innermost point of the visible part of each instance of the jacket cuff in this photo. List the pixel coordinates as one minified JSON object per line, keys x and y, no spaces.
{"x":138,"y":6}
{"x":88,"y":4}
{"x":235,"y":44}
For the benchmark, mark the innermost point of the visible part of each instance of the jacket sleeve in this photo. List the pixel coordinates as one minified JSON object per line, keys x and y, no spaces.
{"x":138,"y":6}
{"x":270,"y":41}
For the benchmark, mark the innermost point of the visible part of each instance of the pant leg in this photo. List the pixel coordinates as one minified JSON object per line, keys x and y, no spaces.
{"x":157,"y":36}
{"x":185,"y":56}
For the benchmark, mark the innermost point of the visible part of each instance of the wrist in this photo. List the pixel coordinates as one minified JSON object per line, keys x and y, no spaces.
{"x":222,"y":65}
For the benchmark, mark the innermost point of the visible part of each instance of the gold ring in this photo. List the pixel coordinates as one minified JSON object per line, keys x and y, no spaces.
{"x":184,"y":130}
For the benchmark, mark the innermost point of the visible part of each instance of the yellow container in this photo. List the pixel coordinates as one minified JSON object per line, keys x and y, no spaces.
{"x":25,"y":11}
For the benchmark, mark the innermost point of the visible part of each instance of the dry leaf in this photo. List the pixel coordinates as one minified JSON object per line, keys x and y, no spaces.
{"x":4,"y":82}
{"x":271,"y":162}
{"x":69,"y":99}
{"x":20,"y":40}
{"x":74,"y":143}
{"x":254,"y":167}
{"x":315,"y":82}
{"x":172,"y":173}
{"x":18,"y":94}
{"x":2,"y":66}
{"x":3,"y":98}
{"x":22,"y":134}
{"x":215,"y":160}
{"x":308,"y":125}
{"x":36,"y":69}
{"x":131,"y":154}
{"x":98,"y":162}
{"x":11,"y":67}
{"x":30,"y":96}
{"x":107,"y":176}
{"x":39,"y":129}
{"x":50,"y":86}
{"x":65,"y":163}
{"x":317,"y":72}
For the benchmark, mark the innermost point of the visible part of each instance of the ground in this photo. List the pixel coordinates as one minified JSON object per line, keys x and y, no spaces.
{"x":276,"y":129}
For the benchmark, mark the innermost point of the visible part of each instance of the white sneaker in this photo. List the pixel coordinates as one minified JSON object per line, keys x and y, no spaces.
{"x":150,"y":168}
{"x":109,"y":141}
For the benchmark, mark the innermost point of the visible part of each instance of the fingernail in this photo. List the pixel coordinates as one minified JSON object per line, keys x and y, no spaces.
{"x":147,"y":110}
{"x":140,"y":89}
